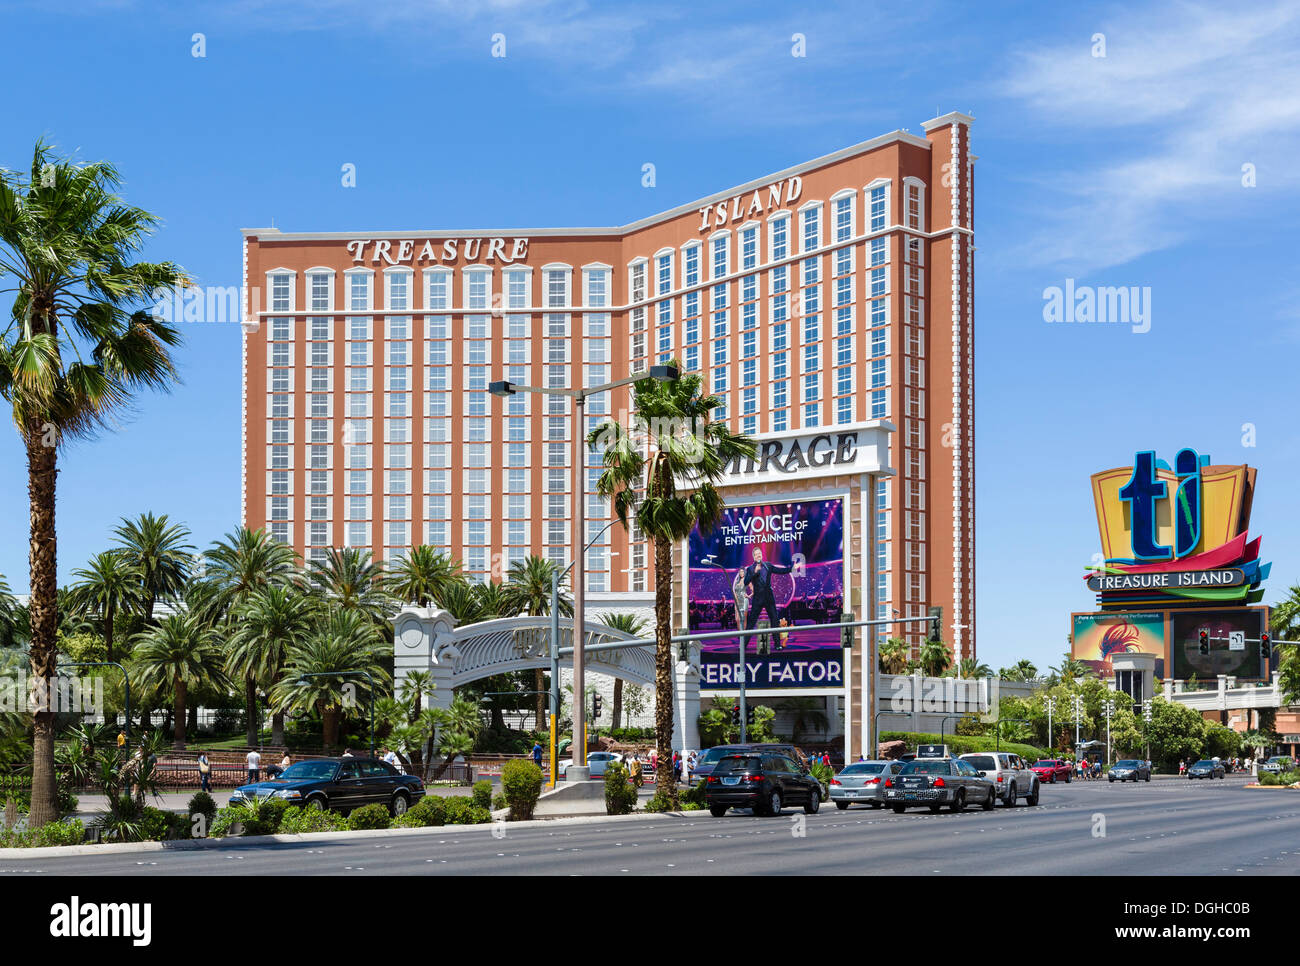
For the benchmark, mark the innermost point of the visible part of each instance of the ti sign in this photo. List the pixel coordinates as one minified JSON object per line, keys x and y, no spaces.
{"x":1145,"y":490}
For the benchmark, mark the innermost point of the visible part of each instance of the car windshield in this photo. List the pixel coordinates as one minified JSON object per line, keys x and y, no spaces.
{"x":737,"y":765}
{"x":983,"y":762}
{"x":871,"y":768}
{"x":1204,"y":761}
{"x":1126,"y":763}
{"x":308,"y":770}
{"x":1045,"y":764}
{"x":713,"y":754}
{"x":930,"y":767}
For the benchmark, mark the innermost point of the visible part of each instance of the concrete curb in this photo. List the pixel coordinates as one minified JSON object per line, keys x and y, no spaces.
{"x":254,"y":841}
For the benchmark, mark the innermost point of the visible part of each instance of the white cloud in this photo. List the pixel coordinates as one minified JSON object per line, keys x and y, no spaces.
{"x":1197,"y":92}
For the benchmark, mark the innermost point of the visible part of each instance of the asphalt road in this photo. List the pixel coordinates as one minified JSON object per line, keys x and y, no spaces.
{"x":1167,"y":827}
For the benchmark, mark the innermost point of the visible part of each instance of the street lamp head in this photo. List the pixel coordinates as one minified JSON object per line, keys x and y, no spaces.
{"x":502,"y":388}
{"x":664,"y":373}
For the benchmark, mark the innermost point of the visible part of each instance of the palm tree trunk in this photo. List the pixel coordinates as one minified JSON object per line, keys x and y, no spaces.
{"x":178,"y":725}
{"x":330,"y":726}
{"x":277,"y":728}
{"x":664,"y":668}
{"x":250,"y":710}
{"x":616,"y":712}
{"x":41,"y":474}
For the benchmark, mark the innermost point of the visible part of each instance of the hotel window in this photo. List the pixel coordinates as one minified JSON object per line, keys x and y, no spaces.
{"x":781,"y":421}
{"x":359,"y":291}
{"x":280,"y":458}
{"x":749,"y":372}
{"x":320,"y":330}
{"x":557,"y":326}
{"x":879,"y":373}
{"x":358,"y":535}
{"x":665,"y":273}
{"x":438,"y":298}
{"x":843,"y":293}
{"x":437,"y":533}
{"x":557,"y":287}
{"x":719,"y":352}
{"x":516,"y":284}
{"x":719,"y":327}
{"x":915,"y":197}
{"x":476,"y":378}
{"x":812,"y":228}
{"x":690,"y":304}
{"x":749,"y":315}
{"x":690,"y":265}
{"x":320,"y":287}
{"x":780,"y":246}
{"x":322,"y":353}
{"x":780,"y":364}
{"x":780,"y":280}
{"x":812,"y":357}
{"x":748,"y":248}
{"x":280,"y":405}
{"x":320,"y":431}
{"x":398,"y":284}
{"x":812,"y":299}
{"x":282,"y":293}
{"x":878,"y":283}
{"x":399,"y":508}
{"x":844,"y":260}
{"x":877,"y":206}
{"x":879,"y":254}
{"x":844,"y":381}
{"x":879,"y":405}
{"x":721,"y":256}
{"x":321,"y":380}
{"x":719,"y":379}
{"x":915,"y":279}
{"x":780,"y":395}
{"x":812,"y":415}
{"x":749,"y":344}
{"x":478,"y":289}
{"x":279,"y":483}
{"x":844,"y":218}
{"x":517,"y":481}
{"x":638,"y":281}
{"x":597,"y":295}
{"x":280,"y":532}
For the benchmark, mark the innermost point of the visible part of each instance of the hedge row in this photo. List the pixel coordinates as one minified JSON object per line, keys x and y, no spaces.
{"x":964,"y":744}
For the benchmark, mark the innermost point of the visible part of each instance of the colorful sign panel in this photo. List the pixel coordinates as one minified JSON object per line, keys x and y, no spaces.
{"x":1097,"y":638}
{"x":776,"y":565}
{"x":1175,"y":536}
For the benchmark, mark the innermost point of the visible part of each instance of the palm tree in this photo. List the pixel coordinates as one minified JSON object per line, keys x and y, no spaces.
{"x":423,"y":575}
{"x":457,"y":728}
{"x":528,"y":590}
{"x":159,"y":552}
{"x":74,"y":353}
{"x":628,"y":624}
{"x":350,"y":579}
{"x":267,"y":628}
{"x":9,"y":611}
{"x":1022,"y":670}
{"x":934,"y":657}
{"x":243,"y":563}
{"x":969,"y":668}
{"x":670,"y":492}
{"x":180,"y":651}
{"x":106,"y":587}
{"x":343,"y":644}
{"x":893,"y":656}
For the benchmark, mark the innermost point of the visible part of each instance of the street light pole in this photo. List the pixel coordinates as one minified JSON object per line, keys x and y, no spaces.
{"x":1110,"y":706}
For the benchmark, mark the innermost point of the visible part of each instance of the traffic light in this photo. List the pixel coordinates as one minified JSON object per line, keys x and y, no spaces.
{"x":749,"y":714}
{"x":1146,"y":710}
{"x":936,"y":623}
{"x":1264,"y":646}
{"x":1205,"y":642}
{"x":735,"y":714}
{"x":595,"y":707}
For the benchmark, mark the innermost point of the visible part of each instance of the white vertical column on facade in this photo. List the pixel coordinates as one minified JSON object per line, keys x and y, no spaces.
{"x":958,"y":424}
{"x":866,"y":687}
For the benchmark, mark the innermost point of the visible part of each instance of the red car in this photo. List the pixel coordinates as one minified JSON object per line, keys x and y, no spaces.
{"x":1050,"y":769}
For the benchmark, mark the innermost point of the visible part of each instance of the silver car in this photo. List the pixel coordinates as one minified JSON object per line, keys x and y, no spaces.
{"x":863,"y":783}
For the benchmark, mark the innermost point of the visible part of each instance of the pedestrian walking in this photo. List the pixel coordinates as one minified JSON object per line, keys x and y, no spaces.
{"x":677,"y":767}
{"x":205,"y":772}
{"x":537,"y":753}
{"x":654,"y":759}
{"x":254,"y":766}
{"x":1182,"y":767}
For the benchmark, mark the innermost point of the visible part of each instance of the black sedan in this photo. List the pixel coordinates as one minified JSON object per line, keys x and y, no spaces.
{"x":341,"y":784}
{"x":1206,"y":768}
{"x":936,"y":782}
{"x":1129,"y":770}
{"x":765,"y":783}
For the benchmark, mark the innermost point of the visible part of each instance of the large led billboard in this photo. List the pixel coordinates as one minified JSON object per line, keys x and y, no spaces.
{"x":1233,"y":636}
{"x":778,"y":566}
{"x":1098,"y":638}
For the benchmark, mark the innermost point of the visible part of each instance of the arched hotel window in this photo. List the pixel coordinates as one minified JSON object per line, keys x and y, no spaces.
{"x":719,"y":255}
{"x":810,"y":226}
{"x":690,"y":264}
{"x":914,"y":189}
{"x":877,"y":193}
{"x":555,"y":285}
{"x":320,"y":289}
{"x":397,"y":289}
{"x":778,"y":236}
{"x":360,"y":289}
{"x":842,"y":215}
{"x":438,"y":295}
{"x":663,"y":271}
{"x":280,"y":290}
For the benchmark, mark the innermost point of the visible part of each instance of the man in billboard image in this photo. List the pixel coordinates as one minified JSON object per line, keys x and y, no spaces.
{"x":758,"y":583}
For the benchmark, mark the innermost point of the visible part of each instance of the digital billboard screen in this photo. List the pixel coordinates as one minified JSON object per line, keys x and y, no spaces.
{"x":775,"y":565}
{"x":1098,"y":638}
{"x":1230,"y":632}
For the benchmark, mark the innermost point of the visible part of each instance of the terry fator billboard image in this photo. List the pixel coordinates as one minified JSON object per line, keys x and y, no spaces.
{"x":777,"y":566}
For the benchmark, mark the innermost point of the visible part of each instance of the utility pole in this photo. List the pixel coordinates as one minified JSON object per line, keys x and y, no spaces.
{"x":1110,"y":706}
{"x":1051,"y":706}
{"x":1078,"y":701}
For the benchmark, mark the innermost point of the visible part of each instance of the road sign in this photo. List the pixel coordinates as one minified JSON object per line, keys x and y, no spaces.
{"x":1236,"y":640}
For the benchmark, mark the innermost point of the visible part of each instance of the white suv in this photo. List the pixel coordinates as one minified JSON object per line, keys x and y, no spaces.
{"x":1009,"y":773}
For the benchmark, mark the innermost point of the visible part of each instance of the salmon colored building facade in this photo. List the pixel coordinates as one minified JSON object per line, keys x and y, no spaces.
{"x":835,"y":292}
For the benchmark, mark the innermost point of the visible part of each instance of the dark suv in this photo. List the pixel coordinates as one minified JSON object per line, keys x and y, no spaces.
{"x":764,"y":782}
{"x":706,"y":762}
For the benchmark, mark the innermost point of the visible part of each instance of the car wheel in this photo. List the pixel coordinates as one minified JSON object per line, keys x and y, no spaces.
{"x":992,"y":800}
{"x":774,"y":803}
{"x":843,"y":805}
{"x":814,"y":804}
{"x":398,"y":806}
{"x":958,"y":802}
{"x":1053,"y":778}
{"x":1069,"y":778}
{"x":1010,"y":800}
{"x":1112,"y":779}
{"x":316,"y":803}
{"x":899,"y":809}
{"x":1032,"y":797}
{"x":935,"y":809}
{"x":717,"y":811}
{"x":877,"y":805}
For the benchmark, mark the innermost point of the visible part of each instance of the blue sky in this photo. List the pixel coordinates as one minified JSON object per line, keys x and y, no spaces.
{"x":1125,"y":169}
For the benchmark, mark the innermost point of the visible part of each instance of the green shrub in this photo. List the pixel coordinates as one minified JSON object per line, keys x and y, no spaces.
{"x":67,"y":832}
{"x":499,"y":802}
{"x":221,"y":824}
{"x":369,"y":817}
{"x":521,"y":782}
{"x":479,"y":815}
{"x":297,"y":821}
{"x":157,"y":825}
{"x":483,"y":794}
{"x":620,"y":794}
{"x":427,"y":812}
{"x":693,"y":798}
{"x":660,"y":802}
{"x":203,"y":804}
{"x":457,"y":810}
{"x":824,"y":774}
